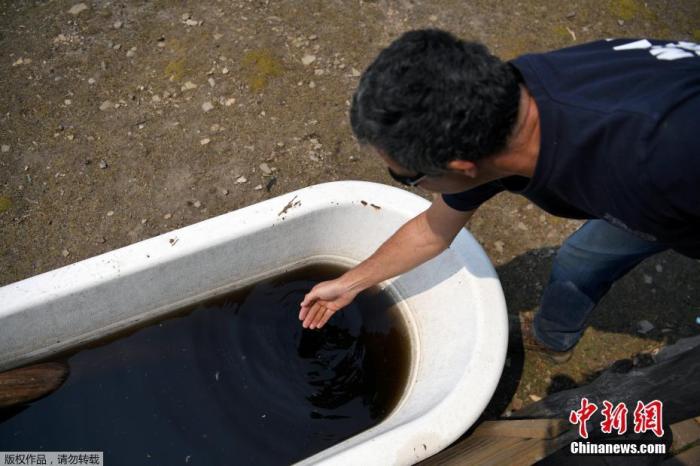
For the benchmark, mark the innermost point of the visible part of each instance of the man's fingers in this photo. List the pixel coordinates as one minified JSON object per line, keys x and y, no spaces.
{"x":306,"y":305}
{"x":312,"y":314}
{"x":307,"y":299}
{"x":326,"y":315}
{"x":317,"y":317}
{"x":303,"y":312}
{"x":320,"y":316}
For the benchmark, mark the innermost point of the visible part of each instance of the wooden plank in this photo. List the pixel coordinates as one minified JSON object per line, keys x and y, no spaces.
{"x":524,"y":428}
{"x":685,"y":433}
{"x":471,"y":451}
{"x":687,"y":458}
{"x":496,"y":450}
{"x":525,"y":453}
{"x":29,"y":383}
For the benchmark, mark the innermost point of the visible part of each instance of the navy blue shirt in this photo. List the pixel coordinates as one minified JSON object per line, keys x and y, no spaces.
{"x":620,"y":138}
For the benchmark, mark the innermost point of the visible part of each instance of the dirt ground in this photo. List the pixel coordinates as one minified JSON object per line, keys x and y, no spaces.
{"x":122,"y":120}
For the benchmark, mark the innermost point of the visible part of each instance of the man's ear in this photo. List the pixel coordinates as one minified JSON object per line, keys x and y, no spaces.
{"x":467,"y":167}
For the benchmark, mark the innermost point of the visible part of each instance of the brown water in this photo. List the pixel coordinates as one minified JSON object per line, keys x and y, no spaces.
{"x":232,"y":380}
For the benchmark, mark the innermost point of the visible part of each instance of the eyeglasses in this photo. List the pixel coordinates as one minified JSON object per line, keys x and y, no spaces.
{"x":407,"y":180}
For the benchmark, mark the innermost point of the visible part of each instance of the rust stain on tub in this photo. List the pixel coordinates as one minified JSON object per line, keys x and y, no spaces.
{"x":289,"y":205}
{"x":373,"y":205}
{"x":419,"y":445}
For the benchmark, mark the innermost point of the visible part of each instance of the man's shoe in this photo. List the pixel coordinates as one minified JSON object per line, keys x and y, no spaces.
{"x":524,"y":326}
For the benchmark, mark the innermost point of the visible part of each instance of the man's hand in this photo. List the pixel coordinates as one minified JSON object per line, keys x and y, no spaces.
{"x":324,"y":300}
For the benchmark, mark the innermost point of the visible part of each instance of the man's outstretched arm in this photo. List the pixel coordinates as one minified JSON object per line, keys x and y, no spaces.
{"x":418,"y":240}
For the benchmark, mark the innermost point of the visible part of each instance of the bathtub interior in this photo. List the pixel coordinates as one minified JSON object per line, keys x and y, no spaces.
{"x":441,"y":301}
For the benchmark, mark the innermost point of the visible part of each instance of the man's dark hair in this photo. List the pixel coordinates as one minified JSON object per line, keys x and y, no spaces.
{"x":429,"y":98}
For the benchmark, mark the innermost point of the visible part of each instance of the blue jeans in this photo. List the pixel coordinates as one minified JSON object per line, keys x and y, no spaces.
{"x":584,"y":269}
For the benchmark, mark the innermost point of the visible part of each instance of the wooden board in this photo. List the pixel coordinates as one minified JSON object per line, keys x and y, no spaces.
{"x":687,"y":458}
{"x":524,"y":428}
{"x":25,"y":384}
{"x":685,"y":433}
{"x":516,"y":443}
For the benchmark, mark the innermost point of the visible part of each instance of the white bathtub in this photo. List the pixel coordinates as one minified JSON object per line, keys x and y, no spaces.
{"x":453,"y":304}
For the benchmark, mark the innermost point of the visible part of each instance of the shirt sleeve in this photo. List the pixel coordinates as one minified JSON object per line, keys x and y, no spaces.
{"x":473,"y":198}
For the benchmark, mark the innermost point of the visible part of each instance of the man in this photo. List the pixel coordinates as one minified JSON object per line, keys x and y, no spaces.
{"x":603,"y":131}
